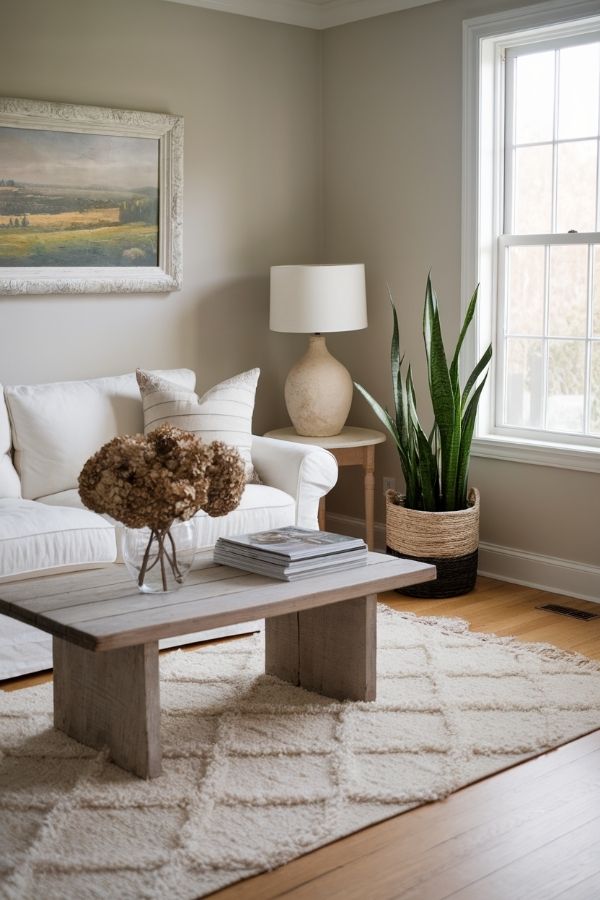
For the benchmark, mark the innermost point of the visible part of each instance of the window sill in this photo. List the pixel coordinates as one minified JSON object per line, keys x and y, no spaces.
{"x":561,"y":456}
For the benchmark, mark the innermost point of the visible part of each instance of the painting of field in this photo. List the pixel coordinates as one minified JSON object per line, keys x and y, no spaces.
{"x":74,"y":199}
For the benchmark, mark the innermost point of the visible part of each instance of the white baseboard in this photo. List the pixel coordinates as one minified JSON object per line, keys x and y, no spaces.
{"x":547,"y":573}
{"x":355,"y":528}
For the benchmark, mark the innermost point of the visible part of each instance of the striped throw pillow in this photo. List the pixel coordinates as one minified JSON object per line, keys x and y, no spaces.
{"x":223,"y":413}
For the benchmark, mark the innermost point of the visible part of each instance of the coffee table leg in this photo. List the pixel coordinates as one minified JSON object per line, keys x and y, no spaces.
{"x":111,"y":699}
{"x":329,"y":649}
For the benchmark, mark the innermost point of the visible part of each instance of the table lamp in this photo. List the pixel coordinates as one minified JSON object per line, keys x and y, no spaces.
{"x":312,"y":300}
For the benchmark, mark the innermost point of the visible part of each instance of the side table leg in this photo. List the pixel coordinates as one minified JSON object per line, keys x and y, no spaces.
{"x":329,"y":649}
{"x":322,"y":514}
{"x":369,"y":473}
{"x":112,"y":699}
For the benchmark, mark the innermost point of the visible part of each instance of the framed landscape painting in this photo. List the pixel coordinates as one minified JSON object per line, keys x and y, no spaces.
{"x":90,"y":199}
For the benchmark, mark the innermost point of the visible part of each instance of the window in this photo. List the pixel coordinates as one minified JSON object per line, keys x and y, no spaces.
{"x":531,"y":230}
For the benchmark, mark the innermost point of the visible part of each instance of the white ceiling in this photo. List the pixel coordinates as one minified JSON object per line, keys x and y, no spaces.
{"x":308,"y":13}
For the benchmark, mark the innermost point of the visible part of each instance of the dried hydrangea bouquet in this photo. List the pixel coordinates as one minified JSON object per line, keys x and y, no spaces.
{"x":154,"y":485}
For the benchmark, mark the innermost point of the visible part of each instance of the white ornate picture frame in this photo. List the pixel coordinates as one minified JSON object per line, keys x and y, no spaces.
{"x":41,"y":130}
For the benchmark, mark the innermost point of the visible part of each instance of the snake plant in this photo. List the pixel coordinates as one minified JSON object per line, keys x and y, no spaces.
{"x":435,"y":466}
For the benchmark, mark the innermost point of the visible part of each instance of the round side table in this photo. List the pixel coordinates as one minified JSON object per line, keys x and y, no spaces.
{"x":351,"y":447}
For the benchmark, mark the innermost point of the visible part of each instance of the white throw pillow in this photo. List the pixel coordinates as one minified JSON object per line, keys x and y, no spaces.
{"x":56,"y":427}
{"x":10,"y":486}
{"x":223,"y":413}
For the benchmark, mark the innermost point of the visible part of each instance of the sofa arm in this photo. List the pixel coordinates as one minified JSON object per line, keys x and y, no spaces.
{"x":304,"y":471}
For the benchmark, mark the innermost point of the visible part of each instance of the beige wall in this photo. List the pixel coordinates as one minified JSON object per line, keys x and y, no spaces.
{"x":254,"y":194}
{"x":392,"y":150}
{"x":249,"y":94}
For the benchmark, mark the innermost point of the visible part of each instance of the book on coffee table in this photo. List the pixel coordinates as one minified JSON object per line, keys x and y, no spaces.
{"x":291,"y":553}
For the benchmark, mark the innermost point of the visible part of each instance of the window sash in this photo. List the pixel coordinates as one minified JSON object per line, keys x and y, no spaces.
{"x":589,"y":340}
{"x":510,"y":238}
{"x":510,"y":56}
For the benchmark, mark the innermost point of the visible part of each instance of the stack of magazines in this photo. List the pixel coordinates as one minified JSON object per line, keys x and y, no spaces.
{"x":291,"y":553}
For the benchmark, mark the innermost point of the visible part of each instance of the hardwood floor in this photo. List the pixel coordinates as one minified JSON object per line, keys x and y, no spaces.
{"x":532,"y":832}
{"x":529,"y":833}
{"x":510,"y":609}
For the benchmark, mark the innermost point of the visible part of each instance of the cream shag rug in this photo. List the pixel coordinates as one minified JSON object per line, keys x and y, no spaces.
{"x":257,"y":772}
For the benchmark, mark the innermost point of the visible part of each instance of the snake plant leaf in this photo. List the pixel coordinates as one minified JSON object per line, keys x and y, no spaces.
{"x":417,"y":493}
{"x":465,"y":327}
{"x":443,"y":397}
{"x":434,"y":438}
{"x":402,"y":411}
{"x":381,"y":413}
{"x":468,"y":428}
{"x":450,"y":453}
{"x":424,"y":459}
{"x":386,"y":419}
{"x":440,"y":385}
{"x":427,"y":471}
{"x":410,"y":388}
{"x":396,"y":362}
{"x":413,"y":418}
{"x":475,"y":375}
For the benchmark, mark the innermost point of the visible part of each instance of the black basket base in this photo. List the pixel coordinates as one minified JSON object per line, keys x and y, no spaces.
{"x":455,"y":576}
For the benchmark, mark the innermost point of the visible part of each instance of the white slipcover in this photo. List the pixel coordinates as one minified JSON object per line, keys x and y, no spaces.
{"x":35,"y":537}
{"x":304,"y":472}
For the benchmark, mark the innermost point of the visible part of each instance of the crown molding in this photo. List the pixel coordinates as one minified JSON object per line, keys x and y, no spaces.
{"x":317,"y":14}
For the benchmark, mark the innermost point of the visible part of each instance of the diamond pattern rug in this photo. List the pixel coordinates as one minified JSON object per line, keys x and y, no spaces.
{"x":257,"y":772}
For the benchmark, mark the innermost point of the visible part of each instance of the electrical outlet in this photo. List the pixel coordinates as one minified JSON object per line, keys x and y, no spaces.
{"x":389,"y":484}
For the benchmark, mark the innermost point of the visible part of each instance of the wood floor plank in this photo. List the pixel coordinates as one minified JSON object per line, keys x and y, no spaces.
{"x":544,"y":873}
{"x":582,"y":890}
{"x":505,"y":843}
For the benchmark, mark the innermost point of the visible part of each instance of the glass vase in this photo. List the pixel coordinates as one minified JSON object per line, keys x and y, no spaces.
{"x":159,"y":559}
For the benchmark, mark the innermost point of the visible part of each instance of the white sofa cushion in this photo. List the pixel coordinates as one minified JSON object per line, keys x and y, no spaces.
{"x":57,"y":426}
{"x":223,"y":413}
{"x":69,"y":498}
{"x":10,"y":486}
{"x":40,"y":539}
{"x":261,"y":508}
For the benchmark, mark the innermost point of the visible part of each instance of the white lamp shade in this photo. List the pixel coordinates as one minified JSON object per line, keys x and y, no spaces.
{"x":315,"y":299}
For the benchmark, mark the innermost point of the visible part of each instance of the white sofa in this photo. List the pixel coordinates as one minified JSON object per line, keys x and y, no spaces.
{"x":48,"y":431}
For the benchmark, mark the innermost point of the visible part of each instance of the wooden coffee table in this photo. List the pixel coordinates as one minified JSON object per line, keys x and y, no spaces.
{"x":320,"y":633}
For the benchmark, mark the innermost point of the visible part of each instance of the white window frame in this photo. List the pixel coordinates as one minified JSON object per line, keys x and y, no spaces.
{"x":485,"y":41}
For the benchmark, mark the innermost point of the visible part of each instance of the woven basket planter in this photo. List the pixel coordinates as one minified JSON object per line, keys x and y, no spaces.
{"x":447,"y":540}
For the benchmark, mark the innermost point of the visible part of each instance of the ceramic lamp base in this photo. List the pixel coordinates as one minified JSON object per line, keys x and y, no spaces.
{"x":318,"y":391}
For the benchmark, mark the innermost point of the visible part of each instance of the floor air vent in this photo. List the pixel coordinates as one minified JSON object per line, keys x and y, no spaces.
{"x":568,"y":611}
